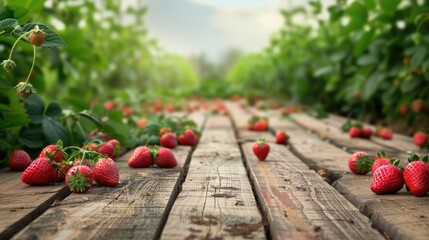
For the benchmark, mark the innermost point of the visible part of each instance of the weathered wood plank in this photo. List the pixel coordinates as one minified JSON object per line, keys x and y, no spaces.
{"x":21,"y":203}
{"x":134,"y":209}
{"x":216,"y":201}
{"x":398,"y":216}
{"x":399,"y":141}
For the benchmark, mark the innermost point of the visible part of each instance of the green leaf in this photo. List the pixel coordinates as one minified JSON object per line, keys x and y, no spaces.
{"x":371,"y":85}
{"x":366,"y":60}
{"x":35,"y":108}
{"x":23,"y":9}
{"x":418,"y":56}
{"x":54,"y":110}
{"x":32,"y":137}
{"x":115,"y":115}
{"x":410,"y":84}
{"x":363,"y":43}
{"x":389,"y":5}
{"x":12,"y":112}
{"x":54,"y":131}
{"x":52,"y":38}
{"x":358,"y":16}
{"x":89,"y":116}
{"x":323,"y":71}
{"x":370,"y":4}
{"x":117,"y":130}
{"x":8,"y":25}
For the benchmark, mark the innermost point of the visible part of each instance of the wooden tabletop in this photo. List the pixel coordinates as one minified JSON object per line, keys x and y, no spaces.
{"x":219,"y":190}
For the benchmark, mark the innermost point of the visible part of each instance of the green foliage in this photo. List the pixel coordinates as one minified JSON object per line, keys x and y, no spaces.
{"x":376,"y":50}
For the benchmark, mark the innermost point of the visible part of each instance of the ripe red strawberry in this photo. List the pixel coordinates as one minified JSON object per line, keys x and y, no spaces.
{"x":79,"y":179}
{"x":403,"y":109}
{"x":90,"y":146}
{"x":261,"y":149}
{"x":141,"y":123}
{"x":107,"y":149}
{"x":98,"y":134}
{"x":164,"y":130}
{"x":386,"y":134}
{"x":37,"y":37}
{"x":420,"y":139}
{"x":380,"y":160}
{"x":261,"y":125}
{"x":105,"y":172}
{"x":165,"y":158}
{"x":61,"y":173}
{"x":356,"y":95}
{"x":52,"y":149}
{"x":141,"y":157}
{"x":168,"y":140}
{"x":19,"y":160}
{"x":354,"y":132}
{"x":40,"y":172}
{"x":188,"y":138}
{"x":109,"y":105}
{"x":281,"y":137}
{"x":366,"y":133}
{"x":418,"y":105}
{"x":387,"y":179}
{"x":360,"y":163}
{"x":116,"y":147}
{"x":250,"y":127}
{"x":416,"y":175}
{"x":78,"y":162}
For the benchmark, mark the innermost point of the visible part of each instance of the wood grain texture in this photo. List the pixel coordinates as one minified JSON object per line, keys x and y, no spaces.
{"x":216,"y":201}
{"x":21,"y":203}
{"x":398,"y":216}
{"x":134,"y":209}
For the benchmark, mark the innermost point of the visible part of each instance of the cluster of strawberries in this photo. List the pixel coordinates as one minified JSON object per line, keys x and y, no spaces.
{"x":257,"y":123}
{"x":388,"y":177}
{"x":144,"y":156}
{"x":357,"y":130}
{"x":78,"y":167}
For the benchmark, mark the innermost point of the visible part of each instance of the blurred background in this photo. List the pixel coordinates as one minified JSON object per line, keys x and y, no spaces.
{"x":366,"y":59}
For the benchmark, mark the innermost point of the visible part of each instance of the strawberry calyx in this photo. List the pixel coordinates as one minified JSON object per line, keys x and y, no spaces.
{"x":382,"y":154}
{"x":78,"y":182}
{"x":395,"y":162}
{"x":261,"y":141}
{"x":364,"y":164}
{"x":414,"y":157}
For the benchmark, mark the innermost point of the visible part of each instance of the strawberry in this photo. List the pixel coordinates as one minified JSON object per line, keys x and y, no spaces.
{"x":261,"y":149}
{"x":366,"y":133}
{"x":40,"y":172}
{"x":165,"y":158}
{"x":250,"y":127}
{"x":354,"y":132}
{"x":360,"y":163}
{"x":164,"y":130}
{"x":420,"y":139}
{"x":61,"y":173}
{"x":261,"y":125}
{"x":418,"y":105}
{"x":37,"y":37}
{"x":141,"y":157}
{"x":281,"y":137}
{"x":79,"y":179}
{"x":387,"y":179}
{"x":90,"y":146}
{"x":168,"y":140}
{"x":109,"y":105}
{"x":107,"y":149}
{"x":141,"y":123}
{"x":380,"y":160}
{"x":356,"y":95}
{"x":52,"y":149}
{"x":127,"y":111}
{"x":116,"y":147}
{"x":98,"y":134}
{"x":386,"y":134}
{"x":19,"y":160}
{"x":105,"y":172}
{"x":78,"y":162}
{"x":416,"y":176}
{"x":403,"y":109}
{"x":188,"y":138}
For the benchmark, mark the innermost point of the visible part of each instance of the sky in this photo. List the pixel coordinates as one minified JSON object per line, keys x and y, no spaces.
{"x":210,"y":27}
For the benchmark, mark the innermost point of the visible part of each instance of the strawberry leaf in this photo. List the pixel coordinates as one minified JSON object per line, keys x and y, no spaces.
{"x":8,"y":25}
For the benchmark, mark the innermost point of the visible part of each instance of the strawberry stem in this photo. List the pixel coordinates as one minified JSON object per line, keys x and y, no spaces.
{"x":32,"y":65}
